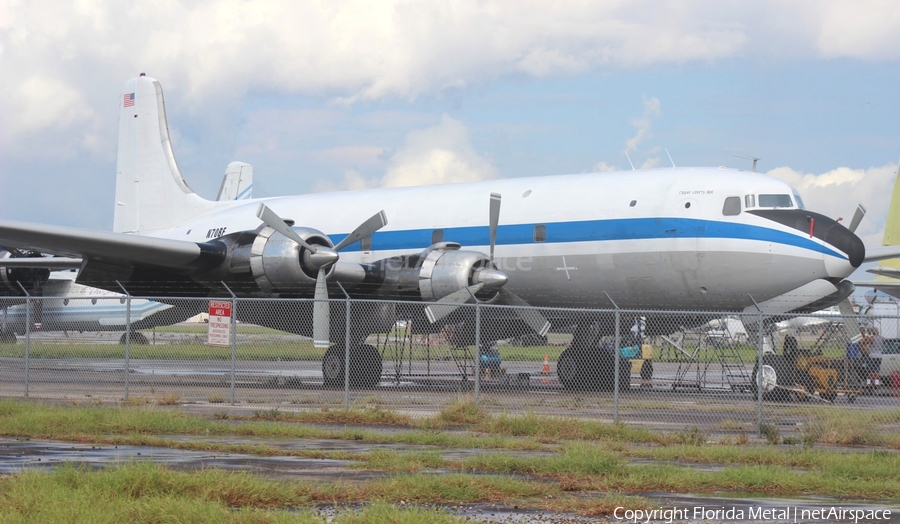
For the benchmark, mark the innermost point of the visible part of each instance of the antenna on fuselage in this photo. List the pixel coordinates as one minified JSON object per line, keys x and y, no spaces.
{"x":753,"y":158}
{"x":629,"y":160}
{"x":670,"y":157}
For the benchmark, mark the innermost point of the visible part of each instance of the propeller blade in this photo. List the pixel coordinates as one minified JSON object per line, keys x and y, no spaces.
{"x":532,"y":317}
{"x":857,"y":218}
{"x":451,"y":302}
{"x":494,"y":222}
{"x":373,"y":224}
{"x":850,"y":322}
{"x":321,"y":312}
{"x":274,"y":221}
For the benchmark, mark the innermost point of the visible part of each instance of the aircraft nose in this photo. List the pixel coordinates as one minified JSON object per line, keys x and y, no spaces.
{"x":821,"y":227}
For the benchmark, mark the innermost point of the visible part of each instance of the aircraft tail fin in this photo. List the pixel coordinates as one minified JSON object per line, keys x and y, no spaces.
{"x":892,"y":229}
{"x":151,"y":194}
{"x":237,"y":184}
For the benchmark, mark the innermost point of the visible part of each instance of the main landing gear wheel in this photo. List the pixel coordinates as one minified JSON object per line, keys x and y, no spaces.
{"x":578,"y":372}
{"x":365,"y":366}
{"x":646,"y":370}
{"x":136,"y":338}
{"x":569,"y":371}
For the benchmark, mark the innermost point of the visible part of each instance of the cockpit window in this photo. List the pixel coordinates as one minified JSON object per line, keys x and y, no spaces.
{"x":799,"y":201}
{"x":749,"y":201}
{"x":775,"y":201}
{"x":732,"y":206}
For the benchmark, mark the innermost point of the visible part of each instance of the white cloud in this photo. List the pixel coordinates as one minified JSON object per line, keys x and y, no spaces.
{"x":643,"y":124}
{"x":216,"y":51}
{"x":351,"y":181}
{"x":643,"y":130}
{"x":836,"y":193}
{"x":438,"y":155}
{"x":603,"y":167}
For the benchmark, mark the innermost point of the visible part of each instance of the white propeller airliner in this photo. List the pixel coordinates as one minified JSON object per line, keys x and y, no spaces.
{"x":709,"y":239}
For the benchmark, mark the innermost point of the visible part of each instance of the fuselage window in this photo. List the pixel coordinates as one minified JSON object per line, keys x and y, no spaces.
{"x":94,"y":301}
{"x":775,"y":201}
{"x":65,"y":301}
{"x":437,"y":236}
{"x":540,"y":233}
{"x":732,"y":206}
{"x":749,"y":201}
{"x":633,"y":203}
{"x":366,"y":243}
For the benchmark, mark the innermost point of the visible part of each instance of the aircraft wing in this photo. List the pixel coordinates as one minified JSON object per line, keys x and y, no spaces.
{"x":885,"y":271}
{"x":887,"y":287}
{"x":881,"y":253}
{"x":54,"y":263}
{"x":111,"y":249}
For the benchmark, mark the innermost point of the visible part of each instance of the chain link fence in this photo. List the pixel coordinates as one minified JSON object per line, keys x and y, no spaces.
{"x":721,"y":372}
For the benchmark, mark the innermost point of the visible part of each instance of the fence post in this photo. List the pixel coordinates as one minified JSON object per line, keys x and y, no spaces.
{"x":477,"y":351}
{"x":127,"y":336}
{"x":346,"y":345}
{"x":233,"y":337}
{"x":27,"y":339}
{"x":617,"y":342}
{"x":760,"y":341}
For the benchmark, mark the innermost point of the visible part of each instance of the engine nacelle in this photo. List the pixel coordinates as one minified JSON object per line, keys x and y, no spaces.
{"x":448,"y":269}
{"x":435,"y":273}
{"x":31,"y":278}
{"x":276,"y":264}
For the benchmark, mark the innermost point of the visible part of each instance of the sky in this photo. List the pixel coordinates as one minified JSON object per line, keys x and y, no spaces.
{"x":324,"y":96}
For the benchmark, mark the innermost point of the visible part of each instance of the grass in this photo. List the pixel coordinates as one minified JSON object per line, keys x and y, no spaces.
{"x":193,"y":349}
{"x":576,"y":457}
{"x":144,"y":492}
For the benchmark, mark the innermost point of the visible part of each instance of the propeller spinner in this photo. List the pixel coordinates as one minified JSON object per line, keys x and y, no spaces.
{"x":321,"y":258}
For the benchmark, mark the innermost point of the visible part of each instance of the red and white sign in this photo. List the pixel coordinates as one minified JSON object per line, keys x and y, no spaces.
{"x":219,"y":331}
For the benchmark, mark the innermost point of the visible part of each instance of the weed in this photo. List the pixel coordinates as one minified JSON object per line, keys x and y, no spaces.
{"x":215,"y":399}
{"x":730,"y":425}
{"x":462,"y":411}
{"x":267,"y":414}
{"x":771,"y":433}
{"x":692,"y":437}
{"x":136,"y":401}
{"x":168,"y":400}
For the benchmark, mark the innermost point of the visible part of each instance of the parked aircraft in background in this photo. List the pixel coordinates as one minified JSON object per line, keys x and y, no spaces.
{"x":65,"y":305}
{"x":709,"y":239}
{"x":888,"y":272}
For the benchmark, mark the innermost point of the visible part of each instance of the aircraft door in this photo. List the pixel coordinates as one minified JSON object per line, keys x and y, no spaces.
{"x":684,"y":255}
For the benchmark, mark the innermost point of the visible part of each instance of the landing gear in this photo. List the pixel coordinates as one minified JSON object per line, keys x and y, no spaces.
{"x":365,"y":366}
{"x":7,"y":337}
{"x":136,"y":339}
{"x":580,"y":369}
{"x":778,"y":372}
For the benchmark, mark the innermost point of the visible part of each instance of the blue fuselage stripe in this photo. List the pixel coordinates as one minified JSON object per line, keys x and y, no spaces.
{"x":593,"y":231}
